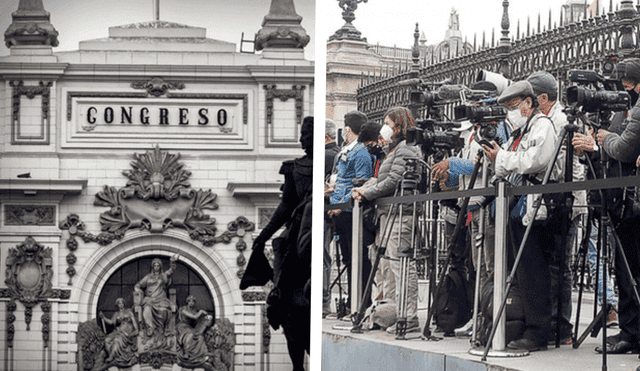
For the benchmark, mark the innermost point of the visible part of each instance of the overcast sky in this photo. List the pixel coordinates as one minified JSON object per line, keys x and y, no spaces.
{"x":78,"y":20}
{"x":393,"y":22}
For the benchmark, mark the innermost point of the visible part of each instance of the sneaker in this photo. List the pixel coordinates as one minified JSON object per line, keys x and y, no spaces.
{"x":612,"y":318}
{"x":464,"y":331}
{"x":412,"y":326}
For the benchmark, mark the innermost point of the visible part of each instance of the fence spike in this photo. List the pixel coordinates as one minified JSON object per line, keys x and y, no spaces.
{"x":561,"y":19}
{"x":528,"y":26}
{"x":518,"y":29}
{"x":549,"y":18}
{"x":539,"y":22}
{"x":493,"y":37}
{"x":610,"y":6}
{"x":585,"y":9}
{"x":483,"y":39}
{"x":474,"y":40}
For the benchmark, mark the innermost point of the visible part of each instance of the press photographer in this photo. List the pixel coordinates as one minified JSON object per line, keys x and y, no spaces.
{"x":482,"y":121}
{"x":523,"y":159}
{"x":620,"y":147}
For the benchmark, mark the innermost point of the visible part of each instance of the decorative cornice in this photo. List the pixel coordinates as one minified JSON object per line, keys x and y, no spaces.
{"x":33,"y":186}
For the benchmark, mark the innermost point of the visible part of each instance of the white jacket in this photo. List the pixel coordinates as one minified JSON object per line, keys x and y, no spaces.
{"x":534,"y":152}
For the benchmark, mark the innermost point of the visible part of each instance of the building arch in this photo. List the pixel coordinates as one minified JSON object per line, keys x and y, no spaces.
{"x":209,"y":264}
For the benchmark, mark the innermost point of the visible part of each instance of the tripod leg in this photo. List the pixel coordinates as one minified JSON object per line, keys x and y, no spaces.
{"x":582,"y":258}
{"x":401,"y":328}
{"x":384,"y":239}
{"x":536,"y":206}
{"x":459,"y":222}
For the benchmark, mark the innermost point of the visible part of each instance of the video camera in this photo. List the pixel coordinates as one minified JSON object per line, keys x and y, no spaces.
{"x":484,"y":113}
{"x":431,"y":140}
{"x":609,"y":95}
{"x":488,"y":111}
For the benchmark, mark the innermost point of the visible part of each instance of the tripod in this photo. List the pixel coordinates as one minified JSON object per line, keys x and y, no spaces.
{"x":341,"y":305}
{"x":536,"y":206}
{"x":607,"y":222}
{"x":459,"y":222}
{"x":408,"y":185}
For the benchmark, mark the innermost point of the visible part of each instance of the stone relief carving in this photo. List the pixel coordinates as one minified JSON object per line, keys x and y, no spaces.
{"x":28,"y":279}
{"x":271,"y":93}
{"x":219,"y":340}
{"x":29,"y":214}
{"x":283,"y":35}
{"x":157,"y":86}
{"x":19,"y":89}
{"x":157,"y":197}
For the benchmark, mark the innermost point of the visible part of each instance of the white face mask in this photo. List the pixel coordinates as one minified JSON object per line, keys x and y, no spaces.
{"x":386,"y":132}
{"x":516,"y":118}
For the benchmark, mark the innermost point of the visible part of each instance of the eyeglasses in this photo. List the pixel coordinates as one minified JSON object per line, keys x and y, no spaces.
{"x":511,"y":107}
{"x":627,"y":85}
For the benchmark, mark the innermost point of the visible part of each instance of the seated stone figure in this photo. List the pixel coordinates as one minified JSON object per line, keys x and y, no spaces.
{"x":121,"y":344}
{"x":190,"y":328}
{"x":156,"y":306}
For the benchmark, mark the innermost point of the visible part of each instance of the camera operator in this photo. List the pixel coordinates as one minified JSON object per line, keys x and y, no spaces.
{"x":390,"y":174}
{"x":545,"y":88}
{"x":620,"y":143}
{"x":525,"y":157}
{"x":353,"y":162}
{"x":458,"y":170}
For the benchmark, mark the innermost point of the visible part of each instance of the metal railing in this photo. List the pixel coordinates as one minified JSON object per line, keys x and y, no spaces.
{"x":587,"y":44}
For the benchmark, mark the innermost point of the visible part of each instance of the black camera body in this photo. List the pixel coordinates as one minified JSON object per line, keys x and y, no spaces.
{"x":486,"y":111}
{"x":609,"y":95}
{"x":485,"y":114}
{"x":430,"y":140}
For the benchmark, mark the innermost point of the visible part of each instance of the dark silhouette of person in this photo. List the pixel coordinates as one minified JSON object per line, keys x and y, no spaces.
{"x":288,"y":303}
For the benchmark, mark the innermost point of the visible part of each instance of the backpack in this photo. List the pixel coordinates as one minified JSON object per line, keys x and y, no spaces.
{"x":454,"y":303}
{"x":514,"y":313}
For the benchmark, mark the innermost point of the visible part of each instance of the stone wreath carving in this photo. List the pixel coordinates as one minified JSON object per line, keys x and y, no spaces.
{"x":157,"y":197}
{"x":157,"y":86}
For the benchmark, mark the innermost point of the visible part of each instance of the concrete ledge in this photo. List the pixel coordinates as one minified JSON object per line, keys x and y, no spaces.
{"x":348,"y":354}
